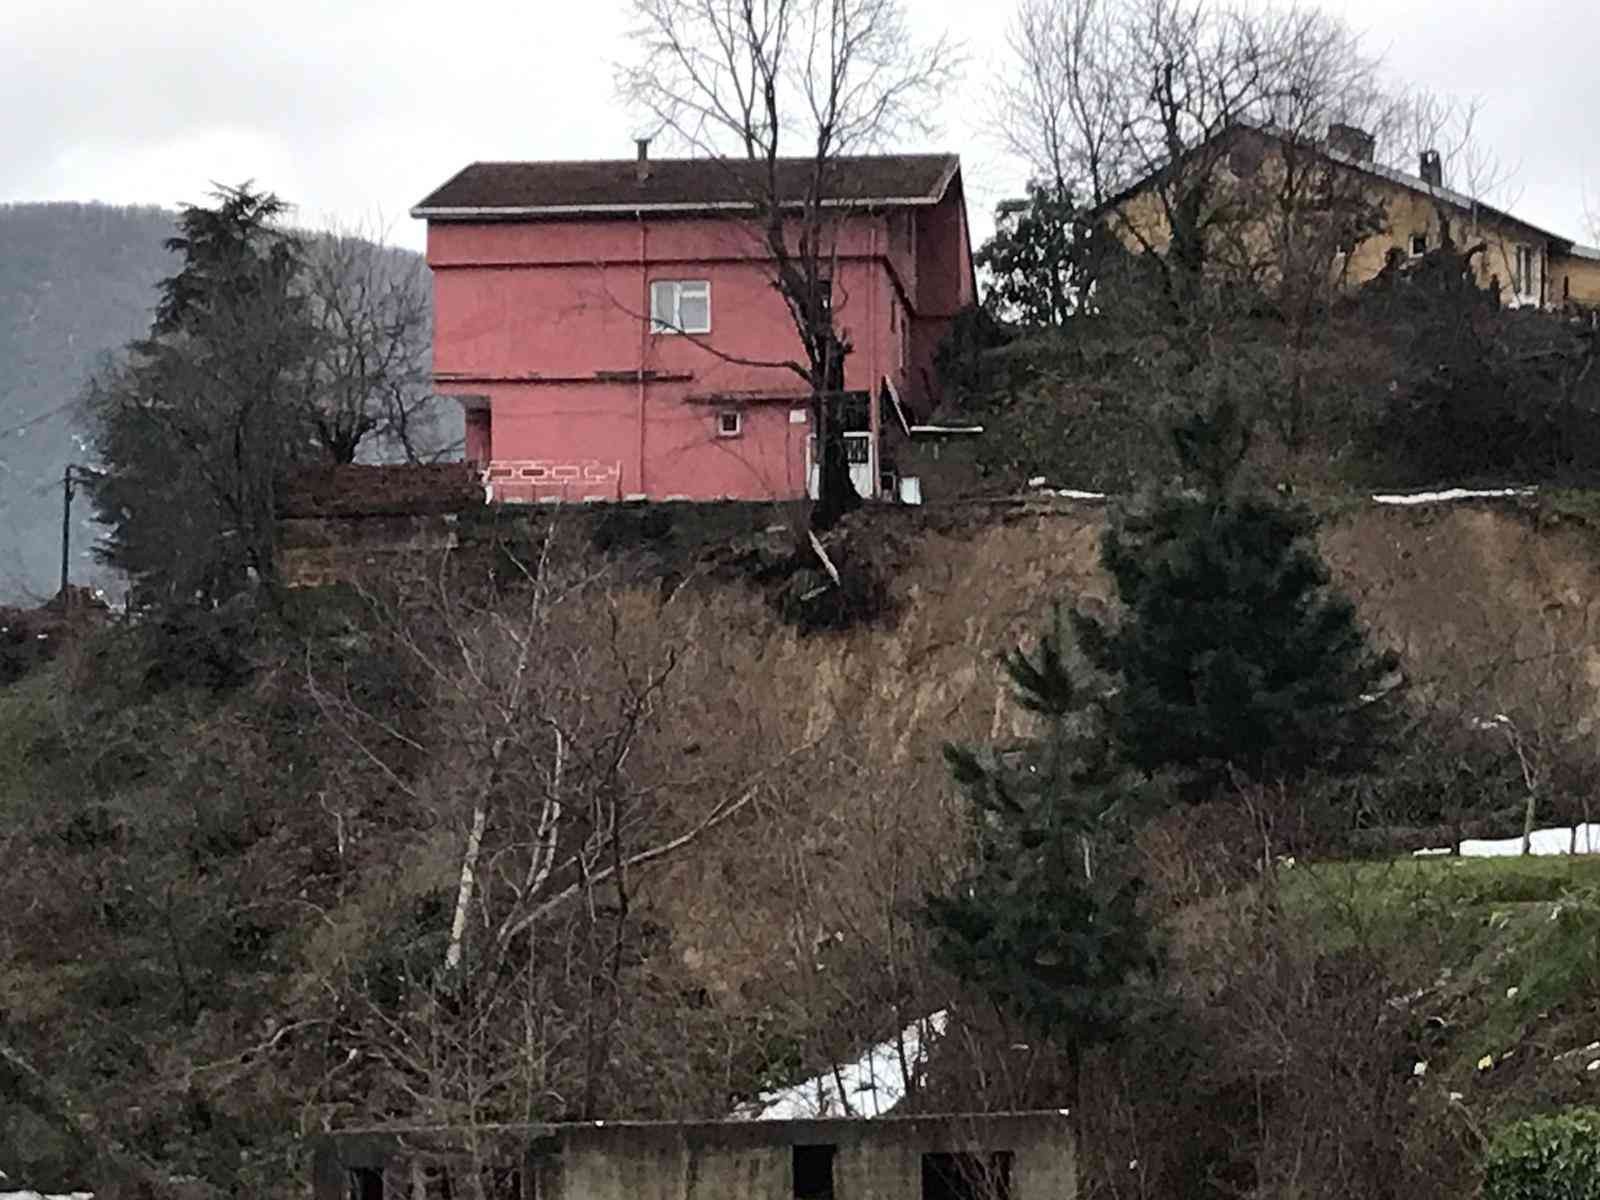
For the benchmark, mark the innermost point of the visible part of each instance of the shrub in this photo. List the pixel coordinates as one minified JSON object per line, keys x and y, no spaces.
{"x":1551,"y":1157}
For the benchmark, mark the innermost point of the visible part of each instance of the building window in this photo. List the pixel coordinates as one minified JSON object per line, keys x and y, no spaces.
{"x":813,"y":1172}
{"x":680,"y":306}
{"x":1525,"y":279}
{"x":1419,"y":245}
{"x":967,"y":1176}
{"x":729,"y":424}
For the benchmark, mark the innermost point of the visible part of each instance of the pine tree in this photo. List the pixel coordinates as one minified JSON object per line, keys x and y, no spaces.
{"x":199,"y":423}
{"x":1233,"y":652}
{"x":1046,"y":921}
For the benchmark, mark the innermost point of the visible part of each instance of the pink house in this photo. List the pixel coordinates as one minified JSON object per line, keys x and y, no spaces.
{"x":611,"y":327}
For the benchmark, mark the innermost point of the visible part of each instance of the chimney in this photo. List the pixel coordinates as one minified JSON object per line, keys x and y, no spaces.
{"x":1350,"y":141}
{"x":1432,"y":169}
{"x":641,"y":170}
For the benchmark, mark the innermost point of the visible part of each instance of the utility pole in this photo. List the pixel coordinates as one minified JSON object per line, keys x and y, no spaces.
{"x":71,"y":476}
{"x":66,"y":533}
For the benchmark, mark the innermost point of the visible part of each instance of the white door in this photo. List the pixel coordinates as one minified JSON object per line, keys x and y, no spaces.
{"x":859,"y":452}
{"x":863,"y":456}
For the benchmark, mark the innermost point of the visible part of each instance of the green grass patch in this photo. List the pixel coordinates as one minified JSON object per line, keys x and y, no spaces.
{"x":27,"y":722}
{"x":1448,"y":903}
{"x":1380,"y":886}
{"x":1505,"y":947}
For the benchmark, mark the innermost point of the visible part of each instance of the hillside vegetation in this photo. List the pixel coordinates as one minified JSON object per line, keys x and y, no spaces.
{"x":238,"y":841}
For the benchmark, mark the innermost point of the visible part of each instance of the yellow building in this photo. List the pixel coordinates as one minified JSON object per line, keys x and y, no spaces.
{"x":1258,"y":184}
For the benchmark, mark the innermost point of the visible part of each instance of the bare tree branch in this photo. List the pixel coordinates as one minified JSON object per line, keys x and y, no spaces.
{"x":738,"y":81}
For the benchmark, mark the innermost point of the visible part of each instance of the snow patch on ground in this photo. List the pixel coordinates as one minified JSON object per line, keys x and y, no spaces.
{"x":868,"y":1087}
{"x":1450,"y":494}
{"x":1543,"y":841}
{"x":1040,"y":485}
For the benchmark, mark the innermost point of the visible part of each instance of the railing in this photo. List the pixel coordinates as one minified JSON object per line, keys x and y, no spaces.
{"x":551,"y":481}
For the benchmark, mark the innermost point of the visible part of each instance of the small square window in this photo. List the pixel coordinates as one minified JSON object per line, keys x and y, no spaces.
{"x":1419,"y":245}
{"x":729,"y":424}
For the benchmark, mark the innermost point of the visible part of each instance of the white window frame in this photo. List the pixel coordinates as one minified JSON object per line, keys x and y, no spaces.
{"x":1526,"y":260}
{"x":1415,"y":253}
{"x":675,"y":307}
{"x":723,"y":431}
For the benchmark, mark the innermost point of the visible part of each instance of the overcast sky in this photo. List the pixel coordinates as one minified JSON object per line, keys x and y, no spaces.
{"x":354,"y":109}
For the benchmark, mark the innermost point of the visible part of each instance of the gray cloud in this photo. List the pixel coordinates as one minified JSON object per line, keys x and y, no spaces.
{"x":354,"y":109}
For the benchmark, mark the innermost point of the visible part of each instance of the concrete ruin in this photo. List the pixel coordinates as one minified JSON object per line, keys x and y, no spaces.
{"x":1006,"y":1156}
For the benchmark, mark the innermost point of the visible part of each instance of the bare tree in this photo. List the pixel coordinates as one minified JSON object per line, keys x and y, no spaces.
{"x":1239,"y":125}
{"x":370,"y":362}
{"x":1056,"y":107}
{"x":1448,"y":126}
{"x":1098,"y":97}
{"x":742,"y":82}
{"x":542,"y":771}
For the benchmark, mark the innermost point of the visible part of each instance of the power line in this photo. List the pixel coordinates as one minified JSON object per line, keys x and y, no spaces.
{"x":38,"y":418}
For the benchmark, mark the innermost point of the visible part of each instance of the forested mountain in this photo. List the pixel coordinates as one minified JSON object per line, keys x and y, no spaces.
{"x":76,"y":281}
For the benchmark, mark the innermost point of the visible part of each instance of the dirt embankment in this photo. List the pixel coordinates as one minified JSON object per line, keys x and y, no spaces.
{"x":1494,"y":608}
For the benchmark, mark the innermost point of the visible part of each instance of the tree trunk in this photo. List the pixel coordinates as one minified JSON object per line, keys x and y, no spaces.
{"x":836,"y":494}
{"x":469,"y":875}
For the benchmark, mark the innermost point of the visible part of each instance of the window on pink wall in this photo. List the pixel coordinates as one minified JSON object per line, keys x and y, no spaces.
{"x":680,"y":306}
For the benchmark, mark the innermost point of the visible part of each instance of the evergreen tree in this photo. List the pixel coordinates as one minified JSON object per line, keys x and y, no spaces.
{"x":1046,"y":922}
{"x":197,"y":427}
{"x":1036,"y":258}
{"x":1233,"y":652}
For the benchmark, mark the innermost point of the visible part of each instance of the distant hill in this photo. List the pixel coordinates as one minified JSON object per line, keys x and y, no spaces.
{"x":77,"y":282}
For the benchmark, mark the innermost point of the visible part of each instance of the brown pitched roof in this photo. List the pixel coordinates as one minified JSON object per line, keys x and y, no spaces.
{"x":532,"y":189}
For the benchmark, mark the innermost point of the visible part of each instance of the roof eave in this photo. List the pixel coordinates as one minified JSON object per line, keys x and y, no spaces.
{"x":493,"y":212}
